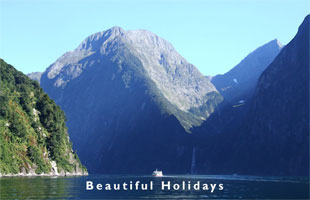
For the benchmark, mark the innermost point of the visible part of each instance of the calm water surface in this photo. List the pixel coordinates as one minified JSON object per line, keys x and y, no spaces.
{"x":235,"y":187}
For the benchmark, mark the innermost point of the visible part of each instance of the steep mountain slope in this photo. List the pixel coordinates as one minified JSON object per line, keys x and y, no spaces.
{"x":237,"y":87}
{"x":279,"y":118}
{"x":239,"y":83}
{"x":33,"y":135}
{"x":131,"y":100}
{"x":272,"y":138}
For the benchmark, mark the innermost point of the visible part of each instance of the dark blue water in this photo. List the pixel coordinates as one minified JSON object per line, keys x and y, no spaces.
{"x":234,"y":187}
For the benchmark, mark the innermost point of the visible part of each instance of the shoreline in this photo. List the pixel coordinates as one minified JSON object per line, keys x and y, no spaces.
{"x":45,"y":175}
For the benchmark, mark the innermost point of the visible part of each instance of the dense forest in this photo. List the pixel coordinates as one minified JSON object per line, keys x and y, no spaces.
{"x":33,"y":134}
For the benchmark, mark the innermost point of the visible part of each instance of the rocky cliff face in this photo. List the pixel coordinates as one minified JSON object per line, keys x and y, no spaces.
{"x":279,"y":117}
{"x":238,"y":85}
{"x":272,"y":136}
{"x":33,"y":135}
{"x":130,"y":100}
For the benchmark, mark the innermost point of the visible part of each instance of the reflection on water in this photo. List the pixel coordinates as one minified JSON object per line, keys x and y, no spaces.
{"x":235,"y":187}
{"x":35,"y":187}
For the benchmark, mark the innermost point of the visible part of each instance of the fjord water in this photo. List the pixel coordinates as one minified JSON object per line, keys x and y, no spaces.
{"x":235,"y":187}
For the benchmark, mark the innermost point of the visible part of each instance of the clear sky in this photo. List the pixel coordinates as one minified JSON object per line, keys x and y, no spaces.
{"x":212,"y":35}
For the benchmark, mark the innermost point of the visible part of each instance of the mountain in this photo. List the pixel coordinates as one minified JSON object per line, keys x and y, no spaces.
{"x":279,"y":117}
{"x":35,"y":76}
{"x":33,"y":135}
{"x":238,"y":85}
{"x":272,"y":136}
{"x":131,"y":101}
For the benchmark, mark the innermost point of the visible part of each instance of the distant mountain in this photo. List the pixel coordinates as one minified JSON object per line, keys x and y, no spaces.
{"x":131,"y":101}
{"x":238,"y":85}
{"x":33,"y":135}
{"x":272,"y":136}
{"x":35,"y":76}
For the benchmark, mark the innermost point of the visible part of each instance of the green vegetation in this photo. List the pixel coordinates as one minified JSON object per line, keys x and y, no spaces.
{"x":32,"y":127}
{"x":195,"y":116}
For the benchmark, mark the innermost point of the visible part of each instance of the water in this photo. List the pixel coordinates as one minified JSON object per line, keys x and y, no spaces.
{"x":235,"y":187}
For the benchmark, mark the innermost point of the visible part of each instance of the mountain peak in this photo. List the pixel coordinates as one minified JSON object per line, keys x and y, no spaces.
{"x":144,"y":38}
{"x":276,"y":42}
{"x":273,"y":44}
{"x":161,"y":62}
{"x":116,"y":29}
{"x":95,"y":40}
{"x":113,"y":32}
{"x":243,"y":77}
{"x":137,"y":38}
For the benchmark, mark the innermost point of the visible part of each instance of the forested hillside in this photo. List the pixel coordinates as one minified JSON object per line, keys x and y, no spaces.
{"x":33,"y":134}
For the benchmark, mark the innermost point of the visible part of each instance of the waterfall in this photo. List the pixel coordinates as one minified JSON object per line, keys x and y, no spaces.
{"x":193,"y":167}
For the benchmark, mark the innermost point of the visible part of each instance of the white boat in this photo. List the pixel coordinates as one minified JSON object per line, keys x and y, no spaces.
{"x":157,"y":173}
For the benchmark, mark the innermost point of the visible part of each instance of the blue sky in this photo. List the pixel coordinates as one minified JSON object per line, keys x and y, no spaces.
{"x":212,"y":35}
